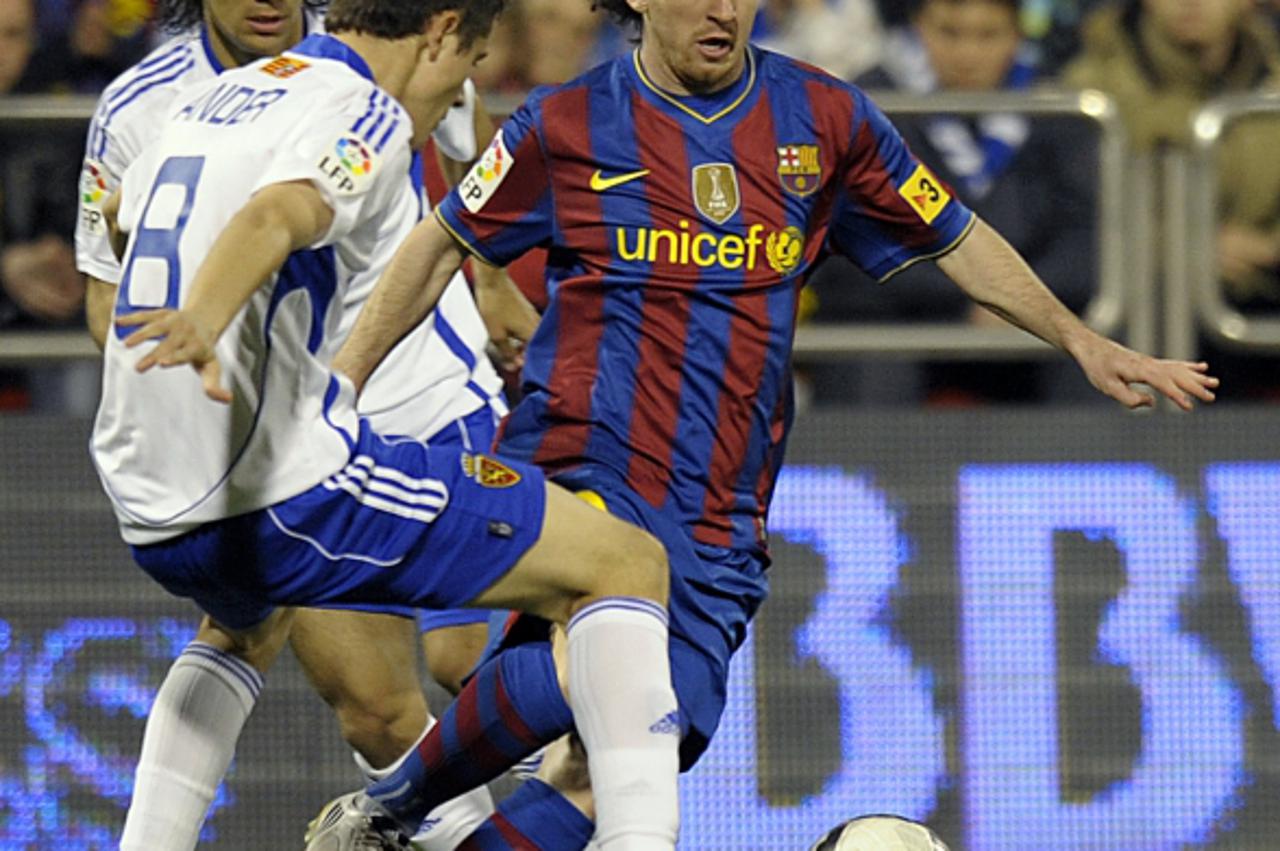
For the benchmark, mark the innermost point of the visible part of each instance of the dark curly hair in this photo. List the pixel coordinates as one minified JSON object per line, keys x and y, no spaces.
{"x":621,"y":12}
{"x":402,"y":18}
{"x":175,"y":16}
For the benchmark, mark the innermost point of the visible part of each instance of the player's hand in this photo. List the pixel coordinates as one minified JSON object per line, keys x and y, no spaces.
{"x":183,"y":340}
{"x":1112,"y":368}
{"x":508,"y":316}
{"x":41,"y":278}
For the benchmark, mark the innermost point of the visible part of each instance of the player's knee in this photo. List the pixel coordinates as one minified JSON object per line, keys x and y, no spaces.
{"x":645,"y":572}
{"x":380,"y":727}
{"x":449,"y":671}
{"x":258,"y":645}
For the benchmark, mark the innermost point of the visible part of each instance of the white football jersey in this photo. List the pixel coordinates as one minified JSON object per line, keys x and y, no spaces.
{"x":127,"y":119}
{"x":170,"y":458}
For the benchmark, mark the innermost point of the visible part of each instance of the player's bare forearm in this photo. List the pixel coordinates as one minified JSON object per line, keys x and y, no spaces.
{"x":278,"y":220}
{"x":508,"y":316}
{"x":99,"y":300}
{"x":993,"y":274}
{"x":404,"y":295}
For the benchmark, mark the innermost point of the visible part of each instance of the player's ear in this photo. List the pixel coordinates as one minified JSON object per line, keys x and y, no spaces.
{"x":439,"y":27}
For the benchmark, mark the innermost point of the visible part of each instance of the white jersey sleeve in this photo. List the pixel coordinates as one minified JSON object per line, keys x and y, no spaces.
{"x":126,"y":120}
{"x":355,"y":150}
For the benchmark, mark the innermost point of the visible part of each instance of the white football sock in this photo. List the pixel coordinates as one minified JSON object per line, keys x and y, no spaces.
{"x":625,"y":712}
{"x":447,"y":825}
{"x":190,"y":738}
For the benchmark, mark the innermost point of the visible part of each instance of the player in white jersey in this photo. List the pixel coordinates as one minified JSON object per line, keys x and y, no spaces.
{"x":375,"y":693}
{"x":248,"y":219}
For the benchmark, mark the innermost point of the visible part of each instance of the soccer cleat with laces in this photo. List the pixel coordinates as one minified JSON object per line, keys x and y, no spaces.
{"x":355,"y":822}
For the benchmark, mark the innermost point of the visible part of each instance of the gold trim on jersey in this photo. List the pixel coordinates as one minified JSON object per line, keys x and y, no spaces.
{"x":671,"y":99}
{"x":465,"y":243}
{"x":973,"y":218}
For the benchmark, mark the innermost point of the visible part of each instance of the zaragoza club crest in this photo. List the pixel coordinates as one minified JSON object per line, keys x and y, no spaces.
{"x":489,"y":472}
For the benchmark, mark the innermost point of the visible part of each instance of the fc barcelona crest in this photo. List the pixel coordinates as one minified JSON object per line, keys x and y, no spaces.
{"x":715,"y":191}
{"x":799,"y":168}
{"x":489,"y":472}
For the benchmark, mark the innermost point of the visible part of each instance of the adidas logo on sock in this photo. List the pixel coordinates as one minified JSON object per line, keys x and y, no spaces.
{"x":668,"y":724}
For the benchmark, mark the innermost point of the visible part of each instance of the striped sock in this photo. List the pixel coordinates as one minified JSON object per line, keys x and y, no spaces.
{"x":533,"y":818}
{"x":511,"y":707}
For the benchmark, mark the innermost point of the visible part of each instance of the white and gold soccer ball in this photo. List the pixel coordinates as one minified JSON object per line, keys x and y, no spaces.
{"x":880,"y":833}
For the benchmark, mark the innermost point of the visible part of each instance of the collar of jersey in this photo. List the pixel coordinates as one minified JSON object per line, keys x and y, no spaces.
{"x":706,"y":109}
{"x":208,"y":51}
{"x":213,"y":57}
{"x":327,"y":47}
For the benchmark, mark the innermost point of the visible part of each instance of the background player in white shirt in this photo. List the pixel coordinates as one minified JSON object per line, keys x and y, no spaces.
{"x":363,"y":664}
{"x":248,"y":218}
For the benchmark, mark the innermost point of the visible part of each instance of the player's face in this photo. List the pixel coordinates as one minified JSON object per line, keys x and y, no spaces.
{"x":971,"y":45}
{"x":695,"y":46}
{"x":437,"y":82}
{"x":244,"y":30}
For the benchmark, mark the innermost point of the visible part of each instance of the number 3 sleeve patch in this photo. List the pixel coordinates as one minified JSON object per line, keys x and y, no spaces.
{"x":925,"y":193}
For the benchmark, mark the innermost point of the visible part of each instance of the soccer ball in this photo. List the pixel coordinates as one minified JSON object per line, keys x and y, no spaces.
{"x":879,"y":833}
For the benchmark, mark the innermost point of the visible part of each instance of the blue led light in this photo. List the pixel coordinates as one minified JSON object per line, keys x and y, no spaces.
{"x":1191,"y":759}
{"x":1190,"y":766}
{"x":892,"y":750}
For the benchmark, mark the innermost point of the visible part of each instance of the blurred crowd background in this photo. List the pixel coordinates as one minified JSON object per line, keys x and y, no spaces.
{"x":1033,"y":177}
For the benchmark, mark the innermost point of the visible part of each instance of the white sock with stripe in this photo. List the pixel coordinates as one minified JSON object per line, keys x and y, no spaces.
{"x":190,"y":737}
{"x":625,"y":712}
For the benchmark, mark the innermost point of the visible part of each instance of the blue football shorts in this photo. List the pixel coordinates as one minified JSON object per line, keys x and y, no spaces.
{"x":715,"y":592}
{"x":401,"y":524}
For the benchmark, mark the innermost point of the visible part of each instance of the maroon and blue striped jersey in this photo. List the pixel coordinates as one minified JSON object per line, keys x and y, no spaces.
{"x":679,"y":231}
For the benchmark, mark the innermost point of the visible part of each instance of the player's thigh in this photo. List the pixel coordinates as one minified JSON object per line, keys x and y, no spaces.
{"x":357,"y":657}
{"x":581,"y":553}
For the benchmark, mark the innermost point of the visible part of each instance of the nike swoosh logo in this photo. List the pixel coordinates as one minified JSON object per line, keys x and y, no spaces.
{"x":600,"y":183}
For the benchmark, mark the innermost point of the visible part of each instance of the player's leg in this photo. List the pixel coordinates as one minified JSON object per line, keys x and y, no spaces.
{"x":453,"y":650}
{"x":192,"y":729}
{"x":607,"y":580}
{"x":709,"y":618}
{"x":364,"y":665}
{"x":553,"y":811}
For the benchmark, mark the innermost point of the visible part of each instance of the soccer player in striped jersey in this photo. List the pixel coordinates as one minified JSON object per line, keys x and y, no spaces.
{"x":256,"y":211}
{"x":683,"y":193}
{"x":439,"y":385}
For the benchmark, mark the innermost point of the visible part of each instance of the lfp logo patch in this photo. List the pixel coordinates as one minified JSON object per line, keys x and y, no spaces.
{"x":354,"y":156}
{"x":93,"y":183}
{"x":94,"y":189}
{"x":487,"y":174}
{"x":350,"y":165}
